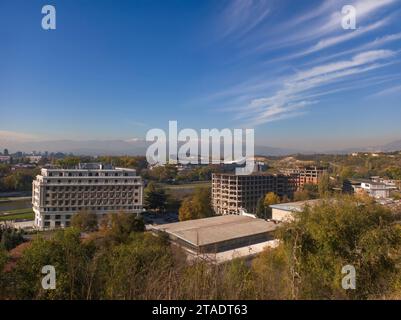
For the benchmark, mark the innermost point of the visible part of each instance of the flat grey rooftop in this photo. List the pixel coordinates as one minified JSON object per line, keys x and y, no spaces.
{"x":295,"y":206}
{"x":217,"y":229}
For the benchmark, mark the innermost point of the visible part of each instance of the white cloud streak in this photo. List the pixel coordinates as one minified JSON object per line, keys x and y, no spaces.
{"x":288,"y":101}
{"x":388,"y":91}
{"x":310,"y":32}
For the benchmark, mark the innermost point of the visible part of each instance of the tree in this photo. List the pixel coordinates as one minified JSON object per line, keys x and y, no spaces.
{"x":69,"y":257}
{"x":172,"y":204}
{"x":260,"y":208}
{"x":185,"y":212}
{"x":164,"y":173}
{"x":119,"y":226}
{"x":309,"y":191}
{"x":155,"y":197}
{"x":325,"y":237}
{"x":69,"y":162}
{"x":139,"y":269}
{"x":346,"y":173}
{"x":393,"y":173}
{"x":196,"y":206}
{"x":19,"y":180}
{"x":271,"y":274}
{"x":301,"y":195}
{"x":85,"y":221}
{"x":270,"y":198}
{"x":3,"y":281}
{"x":324,"y":185}
{"x":10,"y":237}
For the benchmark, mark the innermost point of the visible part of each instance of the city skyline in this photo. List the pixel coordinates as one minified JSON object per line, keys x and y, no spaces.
{"x":289,"y":70}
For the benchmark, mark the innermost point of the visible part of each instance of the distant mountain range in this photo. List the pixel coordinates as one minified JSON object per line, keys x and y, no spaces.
{"x":389,"y":147}
{"x":139,"y":147}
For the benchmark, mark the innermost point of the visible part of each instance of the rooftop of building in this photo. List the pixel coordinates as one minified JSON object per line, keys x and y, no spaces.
{"x":295,"y":206}
{"x":212,"y":230}
{"x":306,"y":168}
{"x":358,"y":181}
{"x":89,"y":166}
{"x":253,"y":174}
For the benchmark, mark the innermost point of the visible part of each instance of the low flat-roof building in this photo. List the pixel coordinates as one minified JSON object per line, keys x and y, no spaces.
{"x":284,"y":211}
{"x":219,"y":234}
{"x":376,"y":189}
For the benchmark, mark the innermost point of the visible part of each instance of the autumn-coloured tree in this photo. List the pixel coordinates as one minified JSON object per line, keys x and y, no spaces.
{"x":196,"y":206}
{"x":85,"y":221}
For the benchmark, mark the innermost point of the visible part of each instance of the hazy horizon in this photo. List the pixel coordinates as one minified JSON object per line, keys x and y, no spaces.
{"x":135,"y":145}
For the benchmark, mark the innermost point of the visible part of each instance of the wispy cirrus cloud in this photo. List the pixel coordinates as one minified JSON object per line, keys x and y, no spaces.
{"x":378,"y":42}
{"x":388,"y":91}
{"x":292,"y":98}
{"x":242,"y":16}
{"x":335,"y":40}
{"x":322,"y":23}
{"x":266,"y":98}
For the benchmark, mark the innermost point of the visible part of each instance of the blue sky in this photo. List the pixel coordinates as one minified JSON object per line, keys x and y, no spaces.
{"x":115,"y":69}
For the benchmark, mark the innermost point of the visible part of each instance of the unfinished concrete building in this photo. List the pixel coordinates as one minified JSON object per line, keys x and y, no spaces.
{"x":304,"y":175}
{"x":235,"y":194}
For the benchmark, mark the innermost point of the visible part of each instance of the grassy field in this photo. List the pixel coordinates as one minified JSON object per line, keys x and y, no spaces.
{"x":14,"y":199}
{"x":17,"y":208}
{"x":29,"y":216}
{"x":187,"y":185}
{"x":180,"y":191}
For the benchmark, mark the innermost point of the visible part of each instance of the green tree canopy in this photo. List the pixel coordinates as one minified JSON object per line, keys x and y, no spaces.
{"x":85,"y":221}
{"x":119,"y":226}
{"x":326,"y":237}
{"x":196,"y":206}
{"x":155,"y":197}
{"x":263,"y":210}
{"x":324,"y":185}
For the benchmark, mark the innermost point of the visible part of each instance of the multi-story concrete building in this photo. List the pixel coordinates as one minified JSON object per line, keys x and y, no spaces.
{"x":305,"y":175}
{"x":57,"y":194}
{"x":234,"y":194}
